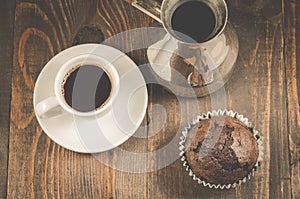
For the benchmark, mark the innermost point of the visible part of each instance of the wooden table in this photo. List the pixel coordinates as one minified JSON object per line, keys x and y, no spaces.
{"x":265,"y":87}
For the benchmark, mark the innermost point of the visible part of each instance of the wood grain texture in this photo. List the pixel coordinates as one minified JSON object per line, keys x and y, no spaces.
{"x":169,"y":115}
{"x":6,"y":52}
{"x":292,"y":57}
{"x":39,"y":168}
{"x":116,"y":16}
{"x":253,"y":91}
{"x":263,"y":77}
{"x":264,"y":87}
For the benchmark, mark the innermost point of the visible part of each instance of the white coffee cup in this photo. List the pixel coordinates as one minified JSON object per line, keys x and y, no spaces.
{"x":56,"y":105}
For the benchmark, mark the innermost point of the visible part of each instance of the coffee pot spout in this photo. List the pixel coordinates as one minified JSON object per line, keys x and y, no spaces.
{"x":150,"y":7}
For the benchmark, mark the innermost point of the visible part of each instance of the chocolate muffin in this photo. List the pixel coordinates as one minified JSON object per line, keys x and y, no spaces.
{"x":221,"y":150}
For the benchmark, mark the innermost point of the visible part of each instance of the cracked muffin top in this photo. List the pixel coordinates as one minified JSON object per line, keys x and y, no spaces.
{"x":221,"y":150}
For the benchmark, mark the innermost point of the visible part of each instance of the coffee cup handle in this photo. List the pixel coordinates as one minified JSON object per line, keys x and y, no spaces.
{"x":48,"y":108}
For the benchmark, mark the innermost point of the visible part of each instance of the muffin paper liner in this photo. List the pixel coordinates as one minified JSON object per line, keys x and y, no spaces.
{"x":207,"y":116}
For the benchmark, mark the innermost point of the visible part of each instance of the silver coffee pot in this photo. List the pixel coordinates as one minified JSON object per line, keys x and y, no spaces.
{"x":191,"y":67}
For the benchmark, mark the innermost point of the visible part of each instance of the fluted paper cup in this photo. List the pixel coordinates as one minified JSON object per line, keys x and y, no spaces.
{"x":207,"y":116}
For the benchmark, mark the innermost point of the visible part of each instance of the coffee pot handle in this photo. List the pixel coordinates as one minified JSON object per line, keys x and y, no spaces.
{"x":150,"y":7}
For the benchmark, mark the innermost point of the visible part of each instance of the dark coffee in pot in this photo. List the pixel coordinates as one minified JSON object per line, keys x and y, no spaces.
{"x":193,"y":21}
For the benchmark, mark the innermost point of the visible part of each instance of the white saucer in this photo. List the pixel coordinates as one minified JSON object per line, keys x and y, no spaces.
{"x":93,"y":135}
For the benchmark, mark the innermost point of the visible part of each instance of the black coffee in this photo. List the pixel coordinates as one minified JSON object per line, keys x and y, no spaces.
{"x":87,"y":88}
{"x":194,"y":19}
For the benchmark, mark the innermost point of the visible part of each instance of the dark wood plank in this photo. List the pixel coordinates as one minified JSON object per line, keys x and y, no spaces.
{"x":39,"y":168}
{"x":168,"y":116}
{"x":253,"y":90}
{"x":258,"y":91}
{"x":6,"y":42}
{"x":116,"y":16}
{"x":292,"y":57}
